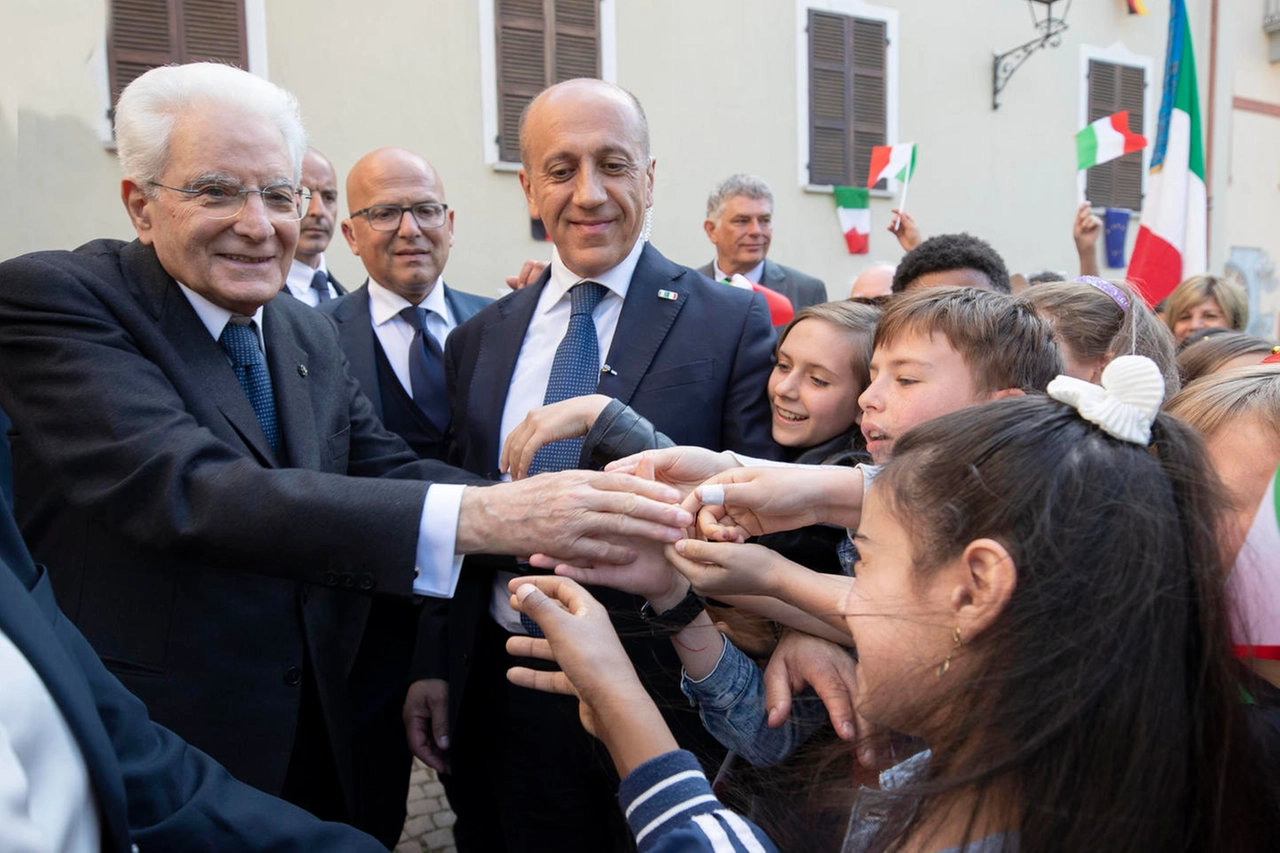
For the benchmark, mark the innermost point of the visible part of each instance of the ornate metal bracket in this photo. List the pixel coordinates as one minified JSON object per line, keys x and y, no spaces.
{"x":1003,"y":65}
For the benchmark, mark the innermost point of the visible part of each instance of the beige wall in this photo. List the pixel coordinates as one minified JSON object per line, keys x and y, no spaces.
{"x":717,"y":78}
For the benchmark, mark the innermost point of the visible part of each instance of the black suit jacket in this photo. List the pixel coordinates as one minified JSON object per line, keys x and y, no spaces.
{"x":151,"y":788}
{"x":355,"y":332}
{"x":695,"y":365}
{"x":202,"y":567}
{"x":803,"y":290}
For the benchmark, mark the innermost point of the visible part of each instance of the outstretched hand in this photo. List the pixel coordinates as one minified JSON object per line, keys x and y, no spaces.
{"x":567,"y":419}
{"x":754,"y":501}
{"x":530,"y":271}
{"x":905,"y":229}
{"x":719,"y":569}
{"x":681,"y":467}
{"x":1086,"y":230}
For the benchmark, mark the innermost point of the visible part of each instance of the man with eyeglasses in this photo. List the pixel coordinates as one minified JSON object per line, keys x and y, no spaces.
{"x":309,"y":279}
{"x":215,"y":499}
{"x":393,"y":330}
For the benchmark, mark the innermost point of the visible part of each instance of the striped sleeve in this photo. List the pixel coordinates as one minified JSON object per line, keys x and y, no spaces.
{"x":669,"y":807}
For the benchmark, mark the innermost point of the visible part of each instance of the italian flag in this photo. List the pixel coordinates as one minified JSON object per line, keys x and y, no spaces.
{"x":892,"y":161}
{"x":1106,"y":139}
{"x":1172,"y":242}
{"x":853,"y":207}
{"x":1253,"y":586}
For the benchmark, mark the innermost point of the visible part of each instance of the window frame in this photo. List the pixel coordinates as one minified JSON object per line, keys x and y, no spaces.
{"x":489,"y":123}
{"x":854,"y":9}
{"x":1118,"y":54}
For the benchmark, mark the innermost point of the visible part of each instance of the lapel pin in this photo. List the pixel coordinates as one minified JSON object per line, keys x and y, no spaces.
{"x":302,"y":371}
{"x":668,"y":294}
{"x":609,"y":370}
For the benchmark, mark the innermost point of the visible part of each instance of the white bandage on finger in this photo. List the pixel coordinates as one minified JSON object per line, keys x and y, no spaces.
{"x":712,"y":495}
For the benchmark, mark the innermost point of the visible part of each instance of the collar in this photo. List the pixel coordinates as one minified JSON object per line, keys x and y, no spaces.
{"x":755,"y":274}
{"x":617,"y":280}
{"x":215,"y":317}
{"x":385,"y":304}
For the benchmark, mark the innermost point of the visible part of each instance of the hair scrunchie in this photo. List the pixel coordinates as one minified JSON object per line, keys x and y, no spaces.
{"x":1124,"y":405}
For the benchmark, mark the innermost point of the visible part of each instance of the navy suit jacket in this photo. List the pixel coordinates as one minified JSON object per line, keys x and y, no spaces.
{"x":200,"y":565}
{"x":355,"y":332}
{"x":696,"y":365}
{"x":803,"y":290}
{"x":151,"y":788}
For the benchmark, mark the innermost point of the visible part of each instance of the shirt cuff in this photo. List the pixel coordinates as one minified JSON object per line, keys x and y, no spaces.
{"x":438,"y":566}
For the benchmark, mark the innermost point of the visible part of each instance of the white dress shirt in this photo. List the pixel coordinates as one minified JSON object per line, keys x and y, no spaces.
{"x":46,"y":801}
{"x":437,"y":567}
{"x":299,"y":282}
{"x":754,"y":275}
{"x":394,"y":332}
{"x":528,"y":387}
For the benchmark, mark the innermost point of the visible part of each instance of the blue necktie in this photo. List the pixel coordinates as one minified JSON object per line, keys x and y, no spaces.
{"x":320,"y":284}
{"x":240,"y":340}
{"x":575,"y":371}
{"x":426,"y":369}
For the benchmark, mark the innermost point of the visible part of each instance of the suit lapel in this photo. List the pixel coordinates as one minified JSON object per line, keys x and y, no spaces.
{"x":497,"y":352}
{"x":201,"y":355}
{"x":355,"y":328}
{"x":288,"y":364}
{"x":643,"y":325}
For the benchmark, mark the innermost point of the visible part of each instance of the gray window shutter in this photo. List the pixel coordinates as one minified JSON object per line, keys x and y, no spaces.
{"x":1113,"y":88}
{"x":848,"y":97}
{"x":870,"y":95}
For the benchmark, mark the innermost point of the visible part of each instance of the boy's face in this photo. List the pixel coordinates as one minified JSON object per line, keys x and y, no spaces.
{"x":914,"y":378}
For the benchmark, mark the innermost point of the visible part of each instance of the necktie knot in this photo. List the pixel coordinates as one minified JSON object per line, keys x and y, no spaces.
{"x":585,"y":296}
{"x":240,"y":340}
{"x":415,"y":316}
{"x":320,"y":284}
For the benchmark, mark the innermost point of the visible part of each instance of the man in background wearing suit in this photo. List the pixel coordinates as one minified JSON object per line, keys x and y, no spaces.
{"x":393,"y":331}
{"x":740,"y":225}
{"x":215,"y":499}
{"x":611,"y":316}
{"x":309,"y":279}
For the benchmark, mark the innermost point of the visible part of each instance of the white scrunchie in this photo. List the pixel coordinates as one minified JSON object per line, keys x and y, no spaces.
{"x":1124,"y":405}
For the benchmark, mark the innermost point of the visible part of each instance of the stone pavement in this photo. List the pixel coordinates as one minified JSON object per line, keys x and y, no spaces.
{"x":429,"y":827}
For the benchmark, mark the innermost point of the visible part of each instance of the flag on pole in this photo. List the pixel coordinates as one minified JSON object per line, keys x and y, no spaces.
{"x":892,"y":161}
{"x":1106,"y":139}
{"x":853,"y":207}
{"x":1172,"y":242}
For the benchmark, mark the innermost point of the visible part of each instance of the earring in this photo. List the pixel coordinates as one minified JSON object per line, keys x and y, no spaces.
{"x":946,"y":664}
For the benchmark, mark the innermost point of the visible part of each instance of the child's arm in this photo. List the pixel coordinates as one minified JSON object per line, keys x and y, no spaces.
{"x":567,"y":419}
{"x":743,"y":502}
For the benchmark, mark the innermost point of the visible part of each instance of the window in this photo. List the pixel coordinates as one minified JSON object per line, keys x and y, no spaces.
{"x":847,"y":89}
{"x":539,"y":43}
{"x":142,"y":34}
{"x":1113,"y":87}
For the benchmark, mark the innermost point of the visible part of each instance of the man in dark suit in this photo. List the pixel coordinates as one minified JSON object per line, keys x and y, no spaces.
{"x":309,"y":279}
{"x":401,"y":228}
{"x":215,"y":497}
{"x":98,"y":773}
{"x":690,"y":355}
{"x":740,"y":225}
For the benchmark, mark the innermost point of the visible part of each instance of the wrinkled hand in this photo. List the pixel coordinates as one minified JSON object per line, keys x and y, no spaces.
{"x":720,"y":568}
{"x":802,"y":661}
{"x":905,"y":229}
{"x":567,"y":419}
{"x":426,"y":722}
{"x":530,"y":271}
{"x":680,"y":467}
{"x":581,"y":640}
{"x":766,"y":500}
{"x":576,"y":515}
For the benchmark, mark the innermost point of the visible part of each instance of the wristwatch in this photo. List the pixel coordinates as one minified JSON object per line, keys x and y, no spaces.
{"x":672,"y":621}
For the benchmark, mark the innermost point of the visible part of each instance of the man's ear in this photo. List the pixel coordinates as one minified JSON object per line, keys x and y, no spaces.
{"x":138,"y":204}
{"x":709,"y":226}
{"x":349,"y":232}
{"x":987,"y":579}
{"x":653,"y":164}
{"x":1007,"y":392}
{"x":528,"y":194}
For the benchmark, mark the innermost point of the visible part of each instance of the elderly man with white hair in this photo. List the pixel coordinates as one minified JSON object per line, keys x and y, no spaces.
{"x":214,"y":497}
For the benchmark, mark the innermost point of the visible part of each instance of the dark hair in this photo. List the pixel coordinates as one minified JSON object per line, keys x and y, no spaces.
{"x":859,"y":321}
{"x":1002,"y":339}
{"x":1091,"y":324}
{"x":1045,"y":277}
{"x":1105,"y":699}
{"x":947,"y":252}
{"x":1204,"y":356}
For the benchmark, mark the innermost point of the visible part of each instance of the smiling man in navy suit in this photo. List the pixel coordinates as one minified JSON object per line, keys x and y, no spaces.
{"x":690,"y":355}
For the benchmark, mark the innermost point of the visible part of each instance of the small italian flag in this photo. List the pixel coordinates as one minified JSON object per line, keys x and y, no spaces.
{"x":1106,"y":139}
{"x":1254,"y":583}
{"x":892,"y":161}
{"x":1172,"y":242}
{"x":853,"y":206}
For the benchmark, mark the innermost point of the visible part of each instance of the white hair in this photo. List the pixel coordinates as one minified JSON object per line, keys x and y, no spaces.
{"x":739,"y":184}
{"x":148,"y":106}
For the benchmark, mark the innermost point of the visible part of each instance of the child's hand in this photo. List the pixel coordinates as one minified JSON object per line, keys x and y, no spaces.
{"x":745,"y":502}
{"x":649,"y":575}
{"x":567,"y":419}
{"x":680,"y":467}
{"x":721,"y":568}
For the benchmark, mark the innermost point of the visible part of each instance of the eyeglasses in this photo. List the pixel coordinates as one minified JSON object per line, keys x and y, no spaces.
{"x":283,"y":202}
{"x":387,"y":217}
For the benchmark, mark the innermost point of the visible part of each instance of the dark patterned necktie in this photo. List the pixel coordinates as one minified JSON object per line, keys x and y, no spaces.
{"x":426,"y":369}
{"x":240,"y":339}
{"x":575,"y":371}
{"x":320,"y":284}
